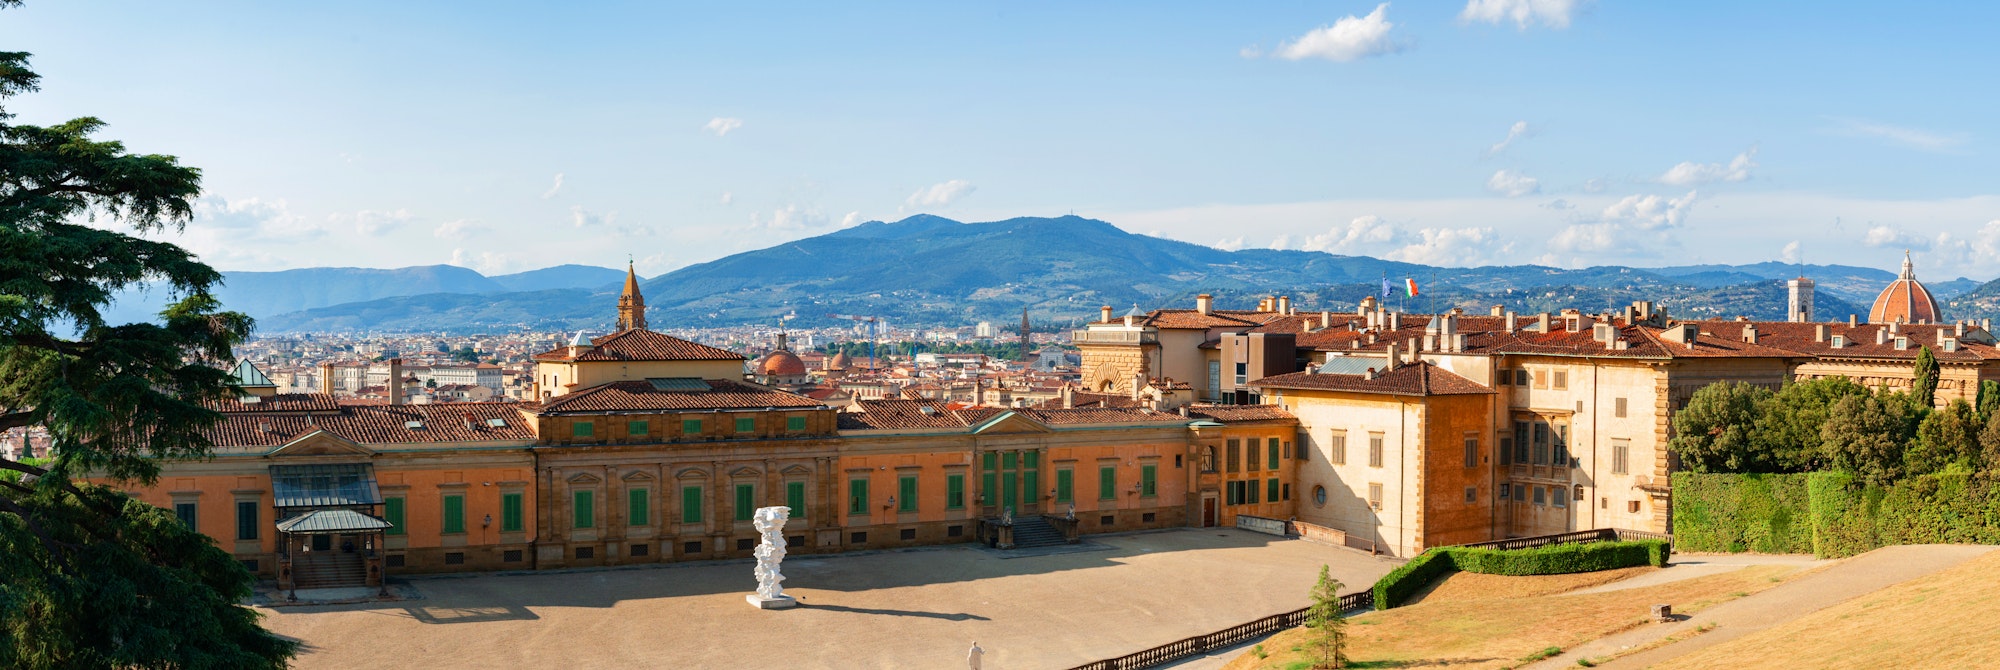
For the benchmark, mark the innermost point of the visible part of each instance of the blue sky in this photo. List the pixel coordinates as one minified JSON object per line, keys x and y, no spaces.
{"x":506,"y":136}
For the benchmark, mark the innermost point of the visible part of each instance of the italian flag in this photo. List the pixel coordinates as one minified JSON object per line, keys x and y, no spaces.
{"x":1411,"y":285}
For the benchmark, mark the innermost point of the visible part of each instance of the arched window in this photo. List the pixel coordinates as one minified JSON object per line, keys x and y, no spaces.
{"x":1208,"y":459}
{"x":1319,"y":496}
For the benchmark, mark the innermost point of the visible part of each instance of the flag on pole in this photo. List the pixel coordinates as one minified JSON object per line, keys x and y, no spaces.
{"x":1385,"y":287}
{"x":1412,"y":286}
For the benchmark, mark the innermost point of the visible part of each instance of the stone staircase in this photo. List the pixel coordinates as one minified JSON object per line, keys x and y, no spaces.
{"x":1034,"y":531}
{"x":329,"y":569}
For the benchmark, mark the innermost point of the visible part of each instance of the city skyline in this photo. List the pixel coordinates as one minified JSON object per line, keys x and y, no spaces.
{"x":1560,"y":133}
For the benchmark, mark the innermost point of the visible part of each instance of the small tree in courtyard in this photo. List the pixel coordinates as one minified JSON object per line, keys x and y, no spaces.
{"x":1328,"y":626}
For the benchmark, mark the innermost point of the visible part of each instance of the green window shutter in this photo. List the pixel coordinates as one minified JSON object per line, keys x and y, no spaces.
{"x":188,"y":514}
{"x":1271,"y":490}
{"x":988,"y":483}
{"x":746,"y":502}
{"x":954,"y":492}
{"x":857,"y":496}
{"x":795,"y":498}
{"x":637,"y":429}
{"x":582,"y":429}
{"x":1065,"y":486}
{"x":585,"y":509}
{"x":690,"y":427}
{"x":637,"y":507}
{"x":1031,"y":459}
{"x":746,"y":425}
{"x":1107,"y":483}
{"x":690,"y":504}
{"x":392,"y":512}
{"x":1031,"y":486}
{"x":510,"y":512}
{"x":906,"y":493}
{"x":454,"y":514}
{"x":1009,"y":460}
{"x":795,"y":423}
{"x":1148,"y":482}
{"x":992,"y":460}
{"x":246,"y":520}
{"x":1274,"y":453}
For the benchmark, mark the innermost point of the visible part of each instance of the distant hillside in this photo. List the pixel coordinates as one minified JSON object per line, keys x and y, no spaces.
{"x":928,"y":269}
{"x":267,"y":294}
{"x":561,"y":276}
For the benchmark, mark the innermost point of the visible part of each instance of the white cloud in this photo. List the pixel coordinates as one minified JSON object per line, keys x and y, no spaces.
{"x":789,"y":217}
{"x":1891,"y":236}
{"x":1252,"y":51}
{"x":1229,"y":245}
{"x":253,"y":217}
{"x":1909,"y":138}
{"x":1281,"y":242}
{"x":1551,"y":13}
{"x":581,"y":217}
{"x":1980,"y":250}
{"x":1586,"y":237}
{"x":486,"y":262}
{"x":458,"y":229}
{"x":1650,"y":212}
{"x":941,"y":194}
{"x":1691,"y":173}
{"x":1513,"y":184}
{"x":553,"y":190}
{"x":1594,"y":185}
{"x":1351,"y":38}
{"x":851,"y":219}
{"x":372,"y":223}
{"x":1790,"y":254}
{"x":728,"y":198}
{"x":1559,"y":204}
{"x":1362,"y":231}
{"x":1452,"y":247}
{"x":1514,"y":132}
{"x":721,"y":125}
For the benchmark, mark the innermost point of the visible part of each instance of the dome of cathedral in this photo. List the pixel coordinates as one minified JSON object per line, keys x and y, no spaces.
{"x":1905,"y":300}
{"x":840,"y":361}
{"x":781,"y":363}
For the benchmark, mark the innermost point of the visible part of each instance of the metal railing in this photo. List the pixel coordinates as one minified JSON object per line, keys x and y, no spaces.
{"x":1225,"y":638}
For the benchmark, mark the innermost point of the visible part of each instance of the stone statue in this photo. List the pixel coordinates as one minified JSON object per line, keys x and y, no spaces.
{"x":1072,"y":512}
{"x":770,"y":593}
{"x":1007,"y":517}
{"x":972,"y":657}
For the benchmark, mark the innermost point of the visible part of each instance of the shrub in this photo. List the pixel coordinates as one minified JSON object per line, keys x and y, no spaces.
{"x":1731,"y":513}
{"x":1397,"y":587}
{"x":1406,"y":580}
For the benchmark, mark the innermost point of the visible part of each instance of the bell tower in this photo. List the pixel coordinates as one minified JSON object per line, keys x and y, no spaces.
{"x":631,"y":305}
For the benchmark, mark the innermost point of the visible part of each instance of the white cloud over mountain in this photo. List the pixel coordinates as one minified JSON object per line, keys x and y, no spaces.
{"x":940,"y":194}
{"x":1348,"y":39}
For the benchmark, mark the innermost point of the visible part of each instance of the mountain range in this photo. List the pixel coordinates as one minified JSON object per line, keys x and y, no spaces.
{"x":929,"y":269}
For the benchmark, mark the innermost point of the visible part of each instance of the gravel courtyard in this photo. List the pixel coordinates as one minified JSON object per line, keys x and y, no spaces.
{"x":901,"y":609}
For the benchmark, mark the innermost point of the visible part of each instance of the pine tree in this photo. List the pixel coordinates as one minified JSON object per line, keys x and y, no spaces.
{"x":1988,"y":399}
{"x":1923,"y":388}
{"x":1328,"y":625}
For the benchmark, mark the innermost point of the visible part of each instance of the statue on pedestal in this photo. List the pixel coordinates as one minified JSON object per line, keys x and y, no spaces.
{"x":770,"y":521}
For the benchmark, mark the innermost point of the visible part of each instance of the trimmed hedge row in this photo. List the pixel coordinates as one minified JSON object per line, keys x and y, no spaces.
{"x":1405,"y":581}
{"x":1730,"y":513}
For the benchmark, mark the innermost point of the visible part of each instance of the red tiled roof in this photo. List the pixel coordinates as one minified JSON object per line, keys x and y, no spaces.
{"x":642,"y":345}
{"x":378,"y":424}
{"x":1100,"y":415}
{"x":1227,"y":413}
{"x":282,"y":402}
{"x":641,"y":395}
{"x":1800,"y":339}
{"x":1418,"y":379}
{"x":908,"y":414}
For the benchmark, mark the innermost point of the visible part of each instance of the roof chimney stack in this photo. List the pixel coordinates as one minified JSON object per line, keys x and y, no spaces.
{"x":1203,"y":303}
{"x":1104,"y":314}
{"x":326,"y":379}
{"x":1285,"y":305}
{"x":1394,"y":358}
{"x":395,"y":381}
{"x":1498,"y":310}
{"x":1819,"y":332}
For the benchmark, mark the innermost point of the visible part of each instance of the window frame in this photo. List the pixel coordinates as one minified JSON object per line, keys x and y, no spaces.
{"x":395,"y":511}
{"x":638,"y":506}
{"x":1375,"y":448}
{"x":583,"y":509}
{"x":448,"y":522}
{"x":1107,"y":482}
{"x":513,"y":512}
{"x":691,"y":498}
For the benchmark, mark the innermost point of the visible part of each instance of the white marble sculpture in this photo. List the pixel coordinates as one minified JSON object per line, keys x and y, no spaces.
{"x":973,"y":657}
{"x":770,"y":593}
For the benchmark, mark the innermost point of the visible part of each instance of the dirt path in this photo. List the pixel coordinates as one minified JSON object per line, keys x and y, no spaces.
{"x":1835,"y":583}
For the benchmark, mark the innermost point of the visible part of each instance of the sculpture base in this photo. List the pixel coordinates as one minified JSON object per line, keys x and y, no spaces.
{"x":763,"y":603}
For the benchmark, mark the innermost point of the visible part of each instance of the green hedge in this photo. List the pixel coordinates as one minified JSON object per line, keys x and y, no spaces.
{"x":1731,"y":513}
{"x":1401,"y":584}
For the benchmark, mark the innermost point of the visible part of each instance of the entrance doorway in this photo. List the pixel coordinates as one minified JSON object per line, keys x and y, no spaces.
{"x":1208,"y":510}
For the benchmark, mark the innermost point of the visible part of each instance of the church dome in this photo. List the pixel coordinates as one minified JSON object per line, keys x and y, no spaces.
{"x":1905,"y":300}
{"x":840,"y":361}
{"x":781,"y":363}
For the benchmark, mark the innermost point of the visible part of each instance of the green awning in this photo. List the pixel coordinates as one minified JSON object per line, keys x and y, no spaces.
{"x":331,"y":521}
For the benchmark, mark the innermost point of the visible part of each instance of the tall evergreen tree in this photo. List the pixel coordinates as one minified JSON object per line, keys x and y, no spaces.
{"x":1989,"y":398}
{"x":90,"y":578}
{"x":1328,"y":625}
{"x":1923,"y":388}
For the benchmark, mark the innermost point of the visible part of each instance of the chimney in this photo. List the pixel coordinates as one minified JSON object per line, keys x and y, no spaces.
{"x":1750,"y":333}
{"x":1415,"y":353}
{"x":1104,"y":314}
{"x":1958,"y":330}
{"x":1542,"y":322}
{"x":1513,"y":322}
{"x":1069,"y":395}
{"x":1394,"y":359}
{"x":1853,"y":321}
{"x":1629,"y":315}
{"x":1498,"y":310}
{"x":1395,"y":321}
{"x":1819,"y":332}
{"x":1325,"y":319}
{"x":1882,"y":335}
{"x":1583,"y":323}
{"x":395,"y":381}
{"x":326,"y":379}
{"x":1138,"y":385}
{"x":1203,"y":303}
{"x":1264,"y":304}
{"x":1458,"y":342}
{"x":1285,"y":305}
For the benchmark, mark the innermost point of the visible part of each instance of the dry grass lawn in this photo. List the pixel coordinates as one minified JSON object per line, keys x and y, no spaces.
{"x":1487,"y":621}
{"x":1943,"y":620}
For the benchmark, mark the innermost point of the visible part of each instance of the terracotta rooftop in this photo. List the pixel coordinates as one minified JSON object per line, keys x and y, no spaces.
{"x":642,"y":345}
{"x":1417,"y":379}
{"x":282,"y":402}
{"x":1228,"y":413}
{"x":645,"y":395}
{"x":1100,"y":415}
{"x":378,"y":424}
{"x":908,"y":414}
{"x":1801,"y":339}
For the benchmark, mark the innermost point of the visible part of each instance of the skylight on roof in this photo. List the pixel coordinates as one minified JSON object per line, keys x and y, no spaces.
{"x":678,"y":384}
{"x":496,"y":423}
{"x":413,"y":425}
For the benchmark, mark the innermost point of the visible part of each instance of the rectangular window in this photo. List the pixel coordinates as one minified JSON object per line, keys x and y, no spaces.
{"x":1558,"y":496}
{"x":1541,"y":380}
{"x":1375,"y":496}
{"x":1472,"y":451}
{"x":1506,"y":449}
{"x":1559,"y":455}
{"x":1229,"y":493}
{"x":1214,"y":379}
{"x":691,"y":506}
{"x":1031,"y":475}
{"x":392,"y":512}
{"x":1503,"y":491}
{"x":746,"y":424}
{"x":1107,"y":482}
{"x":1271,"y":490}
{"x":1010,"y":460}
{"x":746,"y":502}
{"x":795,"y":423}
{"x":1618,"y":408}
{"x":1250,"y":489}
{"x":1520,"y":493}
{"x":1521,"y":377}
{"x":690,"y":427}
{"x":1338,"y":446}
{"x":1234,"y":456}
{"x":1521,"y":442}
{"x":906,"y":493}
{"x":510,"y":512}
{"x":1471,"y":495}
{"x":1065,"y":485}
{"x":1272,"y":453}
{"x":1621,"y":456}
{"x":583,"y":510}
{"x":992,"y":460}
{"x":1503,"y":377}
{"x":1541,"y":444}
{"x":637,"y":428}
{"x":1252,"y":462}
{"x":1242,"y":374}
{"x":187,"y":514}
{"x":1374,"y":450}
{"x":857,"y":496}
{"x":454,"y":513}
{"x":1561,"y":380}
{"x":582,"y":428}
{"x":795,"y":498}
{"x":1148,"y":482}
{"x":638,"y":504}
{"x":954,"y":492}
{"x":1540,"y":496}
